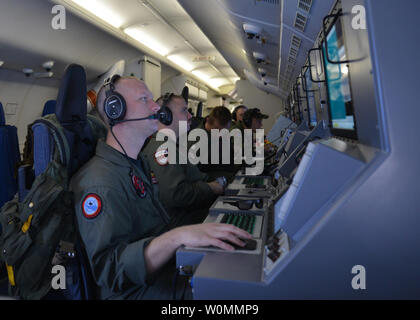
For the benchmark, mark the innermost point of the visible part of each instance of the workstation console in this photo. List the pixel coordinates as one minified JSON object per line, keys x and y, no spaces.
{"x":329,"y":212}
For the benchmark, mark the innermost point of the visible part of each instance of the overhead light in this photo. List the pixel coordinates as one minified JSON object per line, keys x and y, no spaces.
{"x":101,"y":11}
{"x":260,"y":57}
{"x":206,"y":78}
{"x":244,"y":52}
{"x":201,"y":75}
{"x":181,"y":62}
{"x":48,"y":65}
{"x":142,"y":37}
{"x":1,"y":63}
{"x":216,"y":83}
{"x":27,"y":72}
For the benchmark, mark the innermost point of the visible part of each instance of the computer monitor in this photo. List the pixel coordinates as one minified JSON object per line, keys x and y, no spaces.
{"x":310,"y":98}
{"x":342,"y":118}
{"x":298,"y":108}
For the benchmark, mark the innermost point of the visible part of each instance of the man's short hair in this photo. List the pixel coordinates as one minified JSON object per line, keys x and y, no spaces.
{"x":159,"y":101}
{"x":235,"y":112}
{"x":220,"y":114}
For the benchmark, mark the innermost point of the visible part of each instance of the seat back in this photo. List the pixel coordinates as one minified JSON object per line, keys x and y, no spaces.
{"x":9,"y":157}
{"x":49,"y":107}
{"x":81,"y":133}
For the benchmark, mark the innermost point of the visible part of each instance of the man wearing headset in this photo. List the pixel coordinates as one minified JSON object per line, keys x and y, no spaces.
{"x":123,"y":227}
{"x":237,"y":117}
{"x":253,"y":119}
{"x":219,"y":119}
{"x":185,"y":191}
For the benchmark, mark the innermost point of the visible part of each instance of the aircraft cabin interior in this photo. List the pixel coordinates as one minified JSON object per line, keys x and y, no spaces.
{"x":335,"y":213}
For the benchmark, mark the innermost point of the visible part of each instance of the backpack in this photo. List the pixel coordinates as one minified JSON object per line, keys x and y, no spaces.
{"x":40,"y":231}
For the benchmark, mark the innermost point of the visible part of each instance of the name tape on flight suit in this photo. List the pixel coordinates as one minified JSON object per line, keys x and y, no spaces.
{"x":91,"y":206}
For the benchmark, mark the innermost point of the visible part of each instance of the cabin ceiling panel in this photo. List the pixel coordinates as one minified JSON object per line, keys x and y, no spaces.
{"x":264,"y":12}
{"x":222,"y":21}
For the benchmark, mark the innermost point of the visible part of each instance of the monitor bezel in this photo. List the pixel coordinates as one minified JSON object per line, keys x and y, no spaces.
{"x":305,"y":89}
{"x":350,"y":134}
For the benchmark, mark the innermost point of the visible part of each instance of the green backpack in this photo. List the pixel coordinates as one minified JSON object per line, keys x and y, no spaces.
{"x":40,"y":231}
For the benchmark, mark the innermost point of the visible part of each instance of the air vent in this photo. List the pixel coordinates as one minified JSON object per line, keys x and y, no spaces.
{"x":276,"y":2}
{"x":305,"y":5}
{"x":300,"y":22}
{"x":295,"y":46}
{"x":292,"y":61}
{"x":293,"y":52}
{"x":296,"y":41}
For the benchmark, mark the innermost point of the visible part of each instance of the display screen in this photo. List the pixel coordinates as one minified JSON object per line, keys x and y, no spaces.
{"x":310,"y":96}
{"x":339,"y":89}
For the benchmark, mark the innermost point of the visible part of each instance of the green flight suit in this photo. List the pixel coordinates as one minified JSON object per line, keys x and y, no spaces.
{"x":118,"y":214}
{"x":237,"y":125}
{"x":183,"y":189}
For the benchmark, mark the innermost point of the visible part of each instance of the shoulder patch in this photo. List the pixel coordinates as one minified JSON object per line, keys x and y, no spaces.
{"x":91,"y":206}
{"x":161,"y":157}
{"x":138,"y":186}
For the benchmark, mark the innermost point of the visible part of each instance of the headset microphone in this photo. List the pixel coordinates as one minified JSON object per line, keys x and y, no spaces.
{"x":164,"y":115}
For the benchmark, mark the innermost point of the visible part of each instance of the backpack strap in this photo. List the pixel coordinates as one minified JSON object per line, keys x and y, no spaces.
{"x":60,"y":140}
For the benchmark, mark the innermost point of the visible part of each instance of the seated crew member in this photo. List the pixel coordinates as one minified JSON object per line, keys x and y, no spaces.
{"x":220,"y":118}
{"x":185,"y":191}
{"x":238,"y":116}
{"x":253,"y":120}
{"x":122,"y":224}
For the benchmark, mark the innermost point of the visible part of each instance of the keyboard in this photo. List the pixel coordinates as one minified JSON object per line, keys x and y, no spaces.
{"x":254,"y":181}
{"x":243,"y":221}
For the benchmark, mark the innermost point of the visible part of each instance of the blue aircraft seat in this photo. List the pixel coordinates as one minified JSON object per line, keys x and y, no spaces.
{"x":42,"y":155}
{"x":49,"y":107}
{"x":9,"y":157}
{"x":44,"y":142}
{"x":71,"y":112}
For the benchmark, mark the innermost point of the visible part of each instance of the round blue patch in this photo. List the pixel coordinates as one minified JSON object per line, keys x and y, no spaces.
{"x":91,"y":206}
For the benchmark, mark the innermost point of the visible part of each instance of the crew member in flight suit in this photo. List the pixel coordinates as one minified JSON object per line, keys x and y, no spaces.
{"x":124,"y":228}
{"x":219,"y":119}
{"x":185,"y":191}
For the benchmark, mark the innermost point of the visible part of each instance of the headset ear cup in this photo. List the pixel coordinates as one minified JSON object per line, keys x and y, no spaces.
{"x":165,"y":116}
{"x":115,"y":107}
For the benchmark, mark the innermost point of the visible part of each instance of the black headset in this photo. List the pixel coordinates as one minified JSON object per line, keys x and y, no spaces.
{"x":115,"y":106}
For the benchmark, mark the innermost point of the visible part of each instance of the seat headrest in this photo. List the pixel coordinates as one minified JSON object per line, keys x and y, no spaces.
{"x":2,"y":117}
{"x":71,"y":101}
{"x":49,"y":107}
